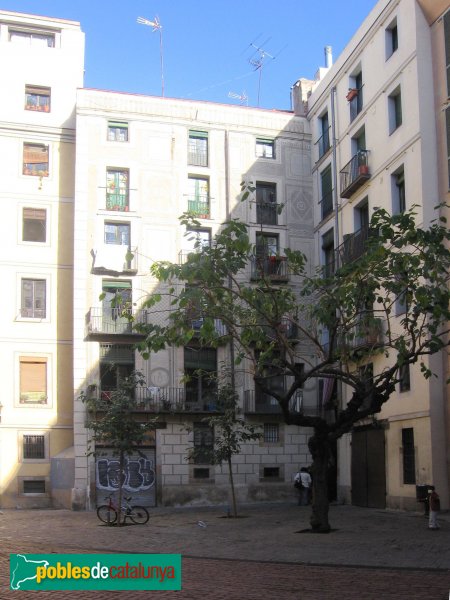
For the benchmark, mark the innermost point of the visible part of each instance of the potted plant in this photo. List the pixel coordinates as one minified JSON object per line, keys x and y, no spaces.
{"x":352,"y":93}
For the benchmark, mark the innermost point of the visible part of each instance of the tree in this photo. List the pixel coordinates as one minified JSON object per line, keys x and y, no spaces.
{"x":392,"y":300}
{"x":112,"y":422}
{"x":229,"y":433}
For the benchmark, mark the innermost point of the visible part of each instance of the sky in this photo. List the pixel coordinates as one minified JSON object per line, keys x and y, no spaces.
{"x":207,"y":45}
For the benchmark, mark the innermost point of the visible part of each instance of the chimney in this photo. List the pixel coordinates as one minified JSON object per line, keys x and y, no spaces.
{"x":328,"y":57}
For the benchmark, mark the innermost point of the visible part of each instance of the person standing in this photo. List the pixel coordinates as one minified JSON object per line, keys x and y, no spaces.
{"x":435,"y":506}
{"x":303,"y":478}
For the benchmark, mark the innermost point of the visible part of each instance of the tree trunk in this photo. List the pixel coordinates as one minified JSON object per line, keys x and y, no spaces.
{"x":119,"y":500}
{"x":233,"y":495}
{"x":319,"y":448}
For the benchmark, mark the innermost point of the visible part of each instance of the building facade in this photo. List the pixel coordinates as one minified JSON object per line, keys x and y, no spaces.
{"x":141,"y":163}
{"x":42,"y":66}
{"x":374,"y":120}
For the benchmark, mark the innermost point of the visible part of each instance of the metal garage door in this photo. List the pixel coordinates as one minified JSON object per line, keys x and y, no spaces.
{"x":140,"y":478}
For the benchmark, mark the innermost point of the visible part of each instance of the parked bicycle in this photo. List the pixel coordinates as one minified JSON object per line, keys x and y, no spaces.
{"x":107,"y":513}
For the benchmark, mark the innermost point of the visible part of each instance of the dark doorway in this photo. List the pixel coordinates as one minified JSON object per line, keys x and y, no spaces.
{"x":368,"y":468}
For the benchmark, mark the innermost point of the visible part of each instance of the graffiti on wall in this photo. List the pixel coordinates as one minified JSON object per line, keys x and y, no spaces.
{"x":139,"y":474}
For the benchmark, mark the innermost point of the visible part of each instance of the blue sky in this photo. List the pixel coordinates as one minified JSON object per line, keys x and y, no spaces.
{"x":206,"y":43}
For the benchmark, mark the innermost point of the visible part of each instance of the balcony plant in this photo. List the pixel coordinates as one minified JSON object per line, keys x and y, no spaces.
{"x":351,"y":94}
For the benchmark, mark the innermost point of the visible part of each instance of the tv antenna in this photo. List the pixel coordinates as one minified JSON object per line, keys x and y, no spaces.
{"x":156,"y":26}
{"x":243,"y":98}
{"x":258,"y":58}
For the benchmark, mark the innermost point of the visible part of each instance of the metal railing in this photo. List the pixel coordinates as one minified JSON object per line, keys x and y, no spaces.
{"x":258,"y":402}
{"x":117,"y":201}
{"x":353,"y":246}
{"x":354,"y":174}
{"x":267,"y":213}
{"x":114,"y":321}
{"x":275,"y":268}
{"x":199,"y":207}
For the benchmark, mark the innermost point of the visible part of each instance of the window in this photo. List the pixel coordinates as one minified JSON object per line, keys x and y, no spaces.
{"x":447,"y":124}
{"x":401,"y":294}
{"x":117,"y":131}
{"x":398,"y":191}
{"x":34,"y":225}
{"x":33,"y":380}
{"x":35,"y":159}
{"x":324,"y":140}
{"x":33,"y":446}
{"x":447,"y":47}
{"x":266,"y":203}
{"x":328,"y":253}
{"x":203,"y":443}
{"x":404,"y":376}
{"x":409,"y":458}
{"x":43,"y":39}
{"x":355,"y":95}
{"x":271,"y":473}
{"x":117,"y":190}
{"x":200,"y":366}
{"x":33,"y":486}
{"x":197,"y":239}
{"x":271,"y":433}
{"x":198,"y":197}
{"x":116,"y":305}
{"x":117,"y":233}
{"x":391,"y":39}
{"x":395,"y":110}
{"x":33,"y":305}
{"x":200,"y":473}
{"x":198,"y":148}
{"x":265,"y":148}
{"x":37,"y":98}
{"x":267,"y":244}
{"x":116,"y":363}
{"x":326,"y":186}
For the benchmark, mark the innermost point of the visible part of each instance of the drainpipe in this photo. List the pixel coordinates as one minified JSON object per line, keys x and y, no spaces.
{"x":334,"y":160}
{"x":228,"y":213}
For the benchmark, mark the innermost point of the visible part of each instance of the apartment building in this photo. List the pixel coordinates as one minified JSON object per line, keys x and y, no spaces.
{"x":42,"y":65}
{"x":377,"y":121}
{"x":141,"y":163}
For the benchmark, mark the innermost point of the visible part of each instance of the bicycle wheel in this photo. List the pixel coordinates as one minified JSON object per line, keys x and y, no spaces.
{"x":106,"y":514}
{"x":139,"y":515}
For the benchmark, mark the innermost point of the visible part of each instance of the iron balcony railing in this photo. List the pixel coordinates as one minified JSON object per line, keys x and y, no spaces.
{"x":165,"y":400}
{"x":258,"y":402}
{"x":267,"y":213}
{"x":286,"y":327}
{"x":275,"y":268}
{"x":198,"y":156}
{"x":353,"y":246}
{"x":367,"y":333}
{"x":199,"y":207}
{"x":323,"y":143}
{"x":114,"y":321}
{"x":354,"y":174}
{"x":117,"y":201}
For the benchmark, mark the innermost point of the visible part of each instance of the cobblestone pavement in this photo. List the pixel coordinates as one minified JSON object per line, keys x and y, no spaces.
{"x":370,"y":555}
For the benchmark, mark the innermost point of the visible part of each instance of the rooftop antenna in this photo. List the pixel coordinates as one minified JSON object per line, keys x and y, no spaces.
{"x":156,"y":25}
{"x":243,"y":98}
{"x":258,"y":58}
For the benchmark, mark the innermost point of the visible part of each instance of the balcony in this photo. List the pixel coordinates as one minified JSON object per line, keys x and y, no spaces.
{"x":257,"y":402}
{"x":170,"y":400}
{"x":354,"y":174}
{"x":275,"y":268}
{"x":104,"y":322}
{"x":117,"y":201}
{"x":353,"y":247}
{"x":199,"y":207}
{"x":366,"y":334}
{"x":267,"y":213}
{"x":286,"y":327}
{"x":114,"y":258}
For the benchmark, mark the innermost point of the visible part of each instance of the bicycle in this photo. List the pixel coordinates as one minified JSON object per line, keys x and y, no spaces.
{"x":107,"y":513}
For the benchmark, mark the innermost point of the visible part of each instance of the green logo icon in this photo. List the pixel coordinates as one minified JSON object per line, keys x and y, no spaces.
{"x":95,"y":571}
